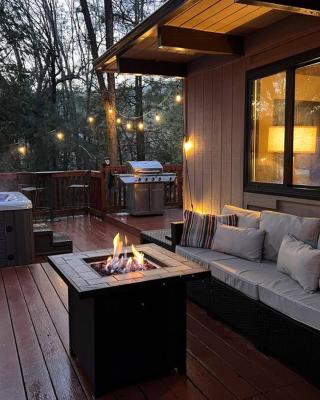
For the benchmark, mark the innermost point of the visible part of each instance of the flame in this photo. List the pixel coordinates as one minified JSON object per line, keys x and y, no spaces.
{"x":120,"y":262}
{"x":117,"y":246}
{"x":139,"y":257}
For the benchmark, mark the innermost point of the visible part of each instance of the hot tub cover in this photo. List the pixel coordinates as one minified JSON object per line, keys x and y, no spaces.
{"x":10,"y":201}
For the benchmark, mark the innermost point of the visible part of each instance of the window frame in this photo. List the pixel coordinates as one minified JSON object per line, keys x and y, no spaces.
{"x":289,"y":66}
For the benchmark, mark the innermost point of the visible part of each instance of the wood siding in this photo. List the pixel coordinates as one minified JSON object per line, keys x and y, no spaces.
{"x":215,"y":113}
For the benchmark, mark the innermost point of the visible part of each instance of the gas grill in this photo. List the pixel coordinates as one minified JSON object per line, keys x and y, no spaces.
{"x":145,"y":187}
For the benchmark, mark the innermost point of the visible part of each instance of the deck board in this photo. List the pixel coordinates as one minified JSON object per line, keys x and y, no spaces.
{"x":35,"y":362}
{"x":11,"y":382}
{"x":63,"y":376}
{"x":37,"y":379}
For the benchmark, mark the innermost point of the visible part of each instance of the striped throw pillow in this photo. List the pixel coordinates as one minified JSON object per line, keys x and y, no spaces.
{"x":199,"y":230}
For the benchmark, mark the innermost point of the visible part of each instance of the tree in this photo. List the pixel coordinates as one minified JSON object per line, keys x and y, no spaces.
{"x":107,"y":92}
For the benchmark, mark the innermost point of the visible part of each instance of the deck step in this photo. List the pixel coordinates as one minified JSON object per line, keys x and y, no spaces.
{"x":46,"y":242}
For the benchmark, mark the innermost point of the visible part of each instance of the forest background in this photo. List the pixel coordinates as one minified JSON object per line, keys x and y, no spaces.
{"x":56,"y":112}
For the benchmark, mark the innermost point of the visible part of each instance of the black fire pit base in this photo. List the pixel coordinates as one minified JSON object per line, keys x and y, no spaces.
{"x":130,"y":336}
{"x":130,"y":327}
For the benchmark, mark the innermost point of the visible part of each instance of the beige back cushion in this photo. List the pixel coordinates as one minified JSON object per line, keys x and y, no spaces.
{"x":278,"y":225}
{"x":246,"y":218}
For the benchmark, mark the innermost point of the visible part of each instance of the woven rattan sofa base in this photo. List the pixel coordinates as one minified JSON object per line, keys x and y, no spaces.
{"x":291,"y":341}
{"x":199,"y":291}
{"x":233,"y":307}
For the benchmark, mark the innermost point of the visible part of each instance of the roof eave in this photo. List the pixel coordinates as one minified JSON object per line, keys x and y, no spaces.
{"x":161,"y":16}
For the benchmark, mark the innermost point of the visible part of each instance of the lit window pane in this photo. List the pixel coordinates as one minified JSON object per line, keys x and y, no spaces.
{"x":306,"y":161}
{"x":267,"y":128}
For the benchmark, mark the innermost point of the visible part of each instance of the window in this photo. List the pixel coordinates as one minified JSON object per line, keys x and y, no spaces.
{"x":283,"y":128}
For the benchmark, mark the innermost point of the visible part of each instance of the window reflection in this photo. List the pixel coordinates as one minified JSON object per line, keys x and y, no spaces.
{"x":306,"y":162}
{"x":267,"y":128}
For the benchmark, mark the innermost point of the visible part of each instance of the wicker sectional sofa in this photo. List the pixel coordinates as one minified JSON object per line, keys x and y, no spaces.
{"x":263,"y":304}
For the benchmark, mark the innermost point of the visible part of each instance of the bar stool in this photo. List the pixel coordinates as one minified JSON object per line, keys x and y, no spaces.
{"x":79,"y":192}
{"x":32,"y":186}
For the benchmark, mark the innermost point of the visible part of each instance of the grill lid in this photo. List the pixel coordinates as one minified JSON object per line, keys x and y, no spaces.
{"x":145,"y":167}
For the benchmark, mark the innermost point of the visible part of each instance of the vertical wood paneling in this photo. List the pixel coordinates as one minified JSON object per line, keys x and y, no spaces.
{"x":216,"y":140}
{"x":198,"y":145}
{"x":208,"y":140}
{"x":238,"y":132}
{"x":226,"y":140}
{"x":189,"y":181}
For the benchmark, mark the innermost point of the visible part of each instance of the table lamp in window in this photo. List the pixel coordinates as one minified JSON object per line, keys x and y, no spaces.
{"x":304,"y":140}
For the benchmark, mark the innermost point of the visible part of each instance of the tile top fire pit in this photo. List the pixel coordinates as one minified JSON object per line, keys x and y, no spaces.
{"x":127,"y":312}
{"x":80,"y":270}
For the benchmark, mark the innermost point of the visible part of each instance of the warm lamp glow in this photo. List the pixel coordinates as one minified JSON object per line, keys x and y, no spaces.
{"x":60,"y":136}
{"x":187,"y":144}
{"x":118,"y":121}
{"x":305,"y":139}
{"x":141,"y":126}
{"x":90,"y":119}
{"x":110,"y":111}
{"x":129,"y":126}
{"x":178,"y":98}
{"x":157,"y":118}
{"x":22,"y":150}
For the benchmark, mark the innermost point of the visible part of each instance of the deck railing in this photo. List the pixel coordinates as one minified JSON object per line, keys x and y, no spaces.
{"x":107,"y":193}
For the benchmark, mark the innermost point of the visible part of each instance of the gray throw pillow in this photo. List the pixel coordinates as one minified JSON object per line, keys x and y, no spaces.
{"x":277,"y":225}
{"x":246,"y":218}
{"x":241,"y":242}
{"x":300,"y":261}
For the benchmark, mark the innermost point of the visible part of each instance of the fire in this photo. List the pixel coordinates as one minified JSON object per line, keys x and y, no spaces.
{"x":120,"y":263}
{"x":139,"y":257}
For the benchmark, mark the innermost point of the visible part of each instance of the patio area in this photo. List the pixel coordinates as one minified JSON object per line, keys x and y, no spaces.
{"x":36,"y":363}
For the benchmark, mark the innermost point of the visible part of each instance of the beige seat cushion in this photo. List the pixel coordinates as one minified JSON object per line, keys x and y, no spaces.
{"x":288,"y":297}
{"x":244,"y":275}
{"x":277,"y":225}
{"x":201,"y":256}
{"x":246,"y":218}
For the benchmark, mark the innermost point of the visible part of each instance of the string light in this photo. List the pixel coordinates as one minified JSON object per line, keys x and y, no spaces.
{"x":119,"y":121}
{"x":178,"y":98}
{"x":91,"y":119}
{"x":141,"y":126}
{"x":22,"y":150}
{"x":60,"y":136}
{"x":157,"y":117}
{"x":110,"y":111}
{"x":129,"y":126}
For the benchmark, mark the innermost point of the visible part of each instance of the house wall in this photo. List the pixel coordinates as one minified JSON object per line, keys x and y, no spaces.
{"x":215,"y":114}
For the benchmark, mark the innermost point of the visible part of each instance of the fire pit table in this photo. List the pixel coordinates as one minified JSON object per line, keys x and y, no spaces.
{"x":127,"y":327}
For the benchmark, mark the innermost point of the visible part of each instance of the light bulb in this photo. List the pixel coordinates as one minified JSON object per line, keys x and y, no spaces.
{"x":157,"y":118}
{"x":60,"y":136}
{"x":118,"y":121}
{"x":129,"y":126}
{"x":22,"y":150}
{"x":91,"y":119}
{"x":110,"y":111}
{"x":141,"y":126}
{"x":178,"y":98}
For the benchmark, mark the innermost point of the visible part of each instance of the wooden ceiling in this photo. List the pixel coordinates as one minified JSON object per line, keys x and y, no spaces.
{"x":220,"y":16}
{"x":225,"y":19}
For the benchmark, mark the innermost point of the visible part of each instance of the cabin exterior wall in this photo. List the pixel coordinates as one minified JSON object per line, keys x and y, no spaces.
{"x":215,"y":118}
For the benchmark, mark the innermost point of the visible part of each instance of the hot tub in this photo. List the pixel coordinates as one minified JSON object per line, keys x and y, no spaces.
{"x":16,"y":233}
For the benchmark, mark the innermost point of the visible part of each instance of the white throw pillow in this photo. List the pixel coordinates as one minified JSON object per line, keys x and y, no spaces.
{"x":246,"y":218}
{"x":300,"y":261}
{"x":241,"y":242}
{"x":278,"y":225}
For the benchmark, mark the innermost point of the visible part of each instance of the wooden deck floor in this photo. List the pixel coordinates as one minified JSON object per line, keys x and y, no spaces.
{"x":143,"y":223}
{"x":35,"y":362}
